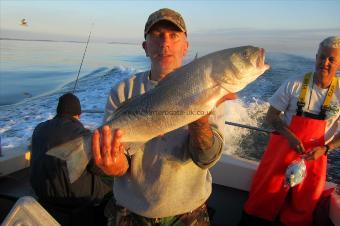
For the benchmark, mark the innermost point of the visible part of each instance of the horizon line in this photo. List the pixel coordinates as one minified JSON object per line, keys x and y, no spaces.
{"x":69,"y":41}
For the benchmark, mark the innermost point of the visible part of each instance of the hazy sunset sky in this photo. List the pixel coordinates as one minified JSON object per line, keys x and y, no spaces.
{"x":208,"y":22}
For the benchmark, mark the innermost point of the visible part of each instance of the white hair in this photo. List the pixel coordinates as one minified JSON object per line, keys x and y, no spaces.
{"x":331,"y":42}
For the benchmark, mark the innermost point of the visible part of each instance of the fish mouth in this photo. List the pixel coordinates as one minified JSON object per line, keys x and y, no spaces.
{"x":260,"y":60}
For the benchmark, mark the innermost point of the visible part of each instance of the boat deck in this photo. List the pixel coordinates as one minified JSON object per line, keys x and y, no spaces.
{"x":12,"y":187}
{"x":231,"y":176}
{"x":226,"y":203}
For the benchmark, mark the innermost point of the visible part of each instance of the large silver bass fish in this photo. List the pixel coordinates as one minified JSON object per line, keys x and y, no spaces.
{"x":174,"y":102}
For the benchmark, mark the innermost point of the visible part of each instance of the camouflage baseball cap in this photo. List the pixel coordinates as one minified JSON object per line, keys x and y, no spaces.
{"x":165,"y":14}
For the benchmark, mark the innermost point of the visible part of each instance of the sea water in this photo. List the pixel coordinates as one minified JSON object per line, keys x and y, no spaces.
{"x":33,"y":74}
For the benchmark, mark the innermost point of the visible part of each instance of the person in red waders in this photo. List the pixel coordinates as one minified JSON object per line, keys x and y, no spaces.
{"x":310,"y":106}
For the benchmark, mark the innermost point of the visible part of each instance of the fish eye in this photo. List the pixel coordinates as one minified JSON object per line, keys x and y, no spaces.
{"x":245,"y":54}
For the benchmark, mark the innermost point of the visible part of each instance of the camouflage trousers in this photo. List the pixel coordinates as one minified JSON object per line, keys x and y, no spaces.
{"x":123,"y":217}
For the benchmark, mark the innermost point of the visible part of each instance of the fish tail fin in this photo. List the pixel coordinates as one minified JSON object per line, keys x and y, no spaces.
{"x":76,"y":153}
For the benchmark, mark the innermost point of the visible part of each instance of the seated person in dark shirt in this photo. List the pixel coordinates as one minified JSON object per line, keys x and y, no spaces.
{"x":48,"y":175}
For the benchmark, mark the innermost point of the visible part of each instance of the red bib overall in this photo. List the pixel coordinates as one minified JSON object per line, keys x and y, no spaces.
{"x":269,"y":197}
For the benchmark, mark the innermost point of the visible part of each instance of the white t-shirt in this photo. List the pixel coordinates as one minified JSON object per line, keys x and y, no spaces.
{"x":286,"y":97}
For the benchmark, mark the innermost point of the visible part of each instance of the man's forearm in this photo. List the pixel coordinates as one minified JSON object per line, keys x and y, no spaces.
{"x":205,"y":143}
{"x":280,"y":127}
{"x":201,"y":135}
{"x":276,"y":122}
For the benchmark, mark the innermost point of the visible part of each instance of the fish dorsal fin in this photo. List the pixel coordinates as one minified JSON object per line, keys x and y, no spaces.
{"x":196,"y":56}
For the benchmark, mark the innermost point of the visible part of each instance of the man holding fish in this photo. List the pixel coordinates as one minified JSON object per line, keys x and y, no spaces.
{"x":157,"y":139}
{"x":166,"y":180}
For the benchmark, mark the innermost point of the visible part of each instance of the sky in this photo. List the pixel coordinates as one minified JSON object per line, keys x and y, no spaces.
{"x":299,"y":23}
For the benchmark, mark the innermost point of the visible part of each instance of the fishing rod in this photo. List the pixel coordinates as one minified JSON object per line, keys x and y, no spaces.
{"x":82,"y":60}
{"x":91,"y":111}
{"x":248,"y":127}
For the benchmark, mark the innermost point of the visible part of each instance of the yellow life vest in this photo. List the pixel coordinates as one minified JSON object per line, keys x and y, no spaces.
{"x":325,"y":106}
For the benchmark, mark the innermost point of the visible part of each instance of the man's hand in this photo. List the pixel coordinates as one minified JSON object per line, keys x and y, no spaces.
{"x":273,"y":117}
{"x":109,"y":154}
{"x":295,"y":143}
{"x":315,"y":153}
